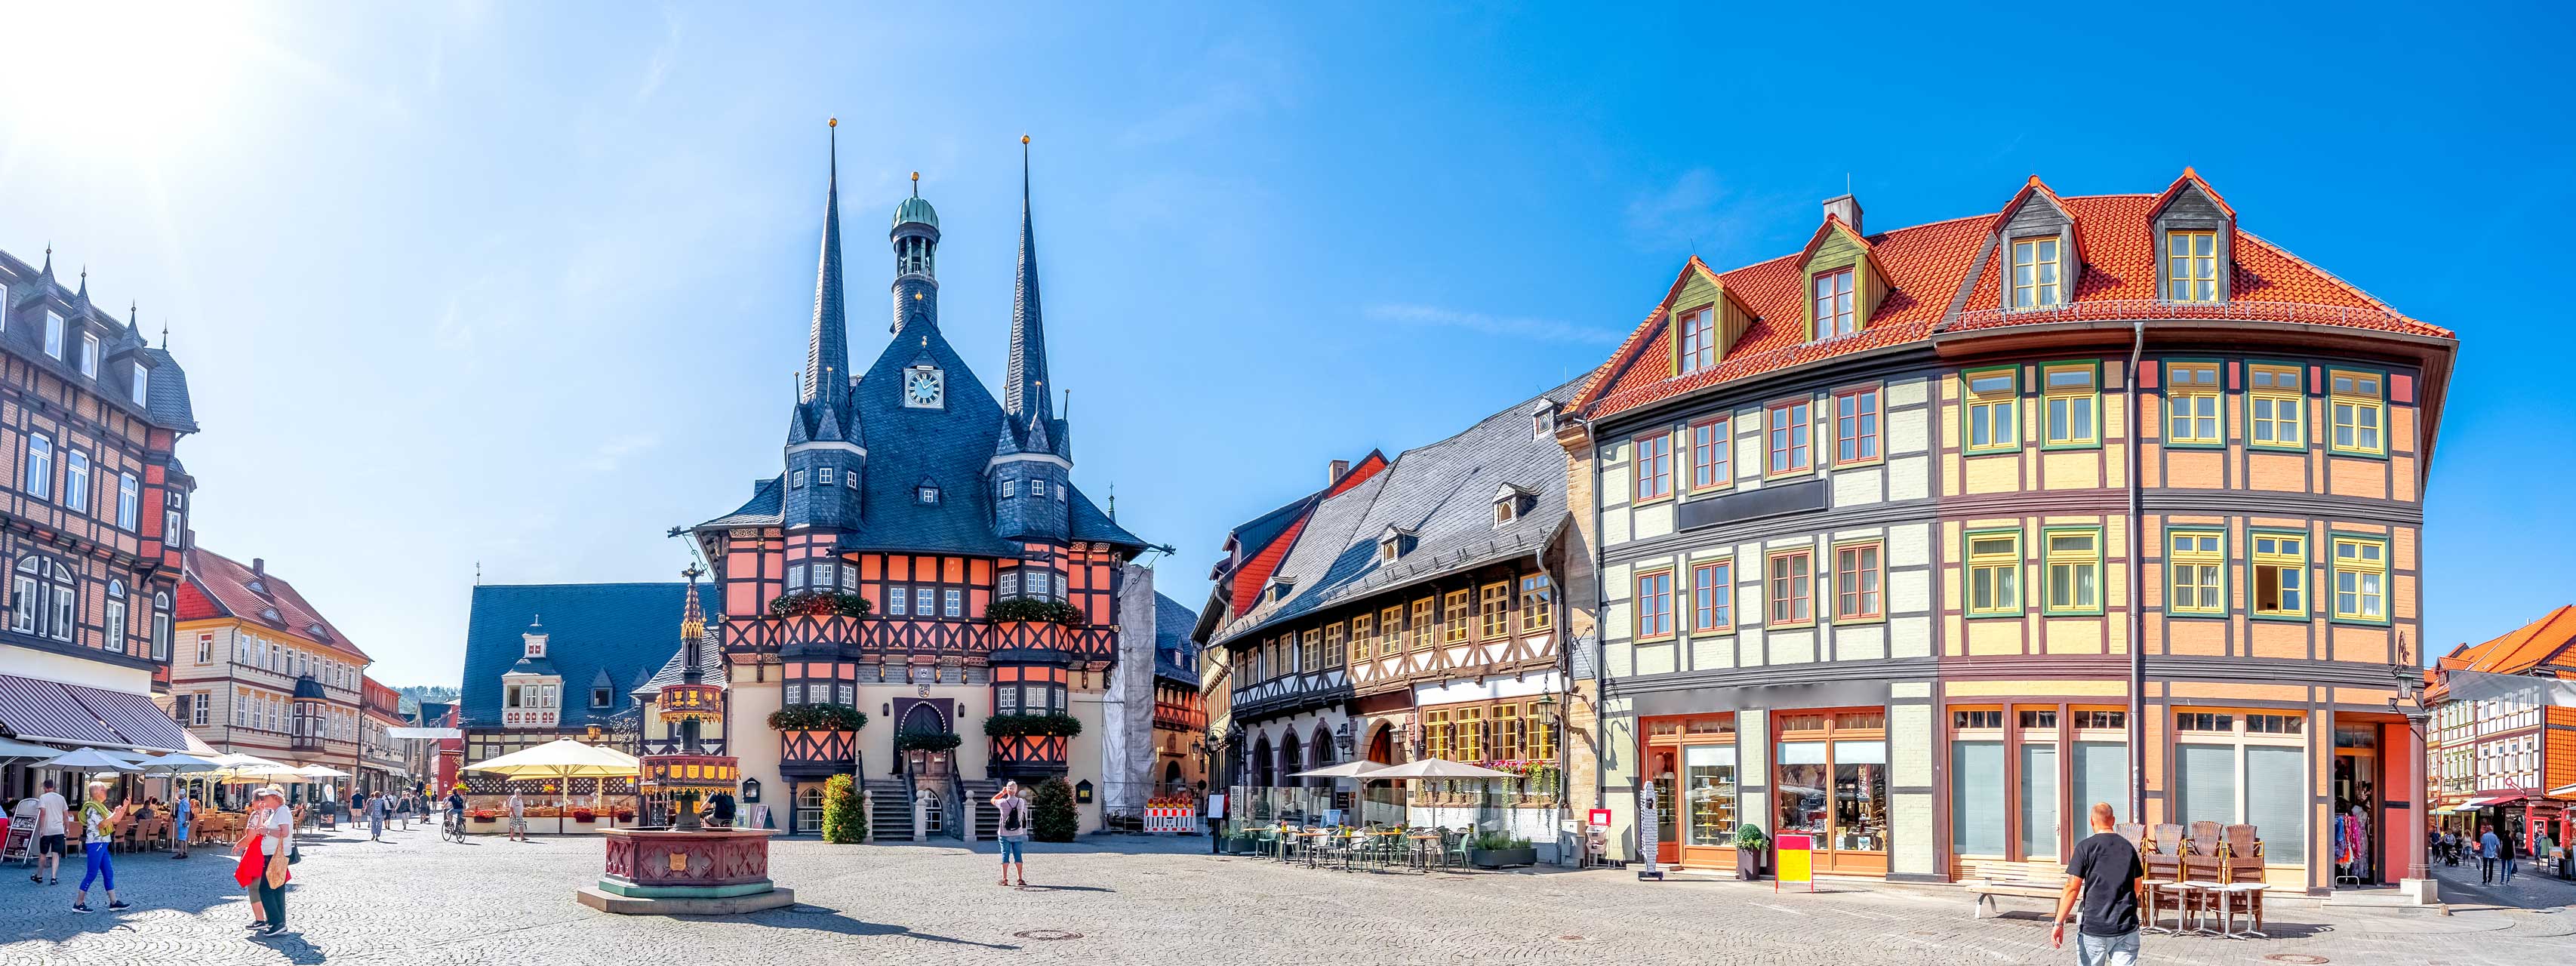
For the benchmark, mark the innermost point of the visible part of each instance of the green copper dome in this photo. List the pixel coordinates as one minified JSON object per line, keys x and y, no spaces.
{"x":914,"y":209}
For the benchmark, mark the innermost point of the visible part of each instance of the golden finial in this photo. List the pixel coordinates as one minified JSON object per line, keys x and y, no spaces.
{"x":835,"y":122}
{"x":1024,"y":139}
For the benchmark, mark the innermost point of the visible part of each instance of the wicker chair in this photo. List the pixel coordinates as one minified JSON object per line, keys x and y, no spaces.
{"x":2163,"y":855}
{"x":2201,"y":858}
{"x":2244,"y":860}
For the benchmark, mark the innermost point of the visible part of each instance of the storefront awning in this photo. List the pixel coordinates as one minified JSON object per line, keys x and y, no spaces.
{"x":10,"y":750}
{"x":416,"y":733}
{"x":134,"y":716}
{"x":43,"y":711}
{"x":2486,"y":800}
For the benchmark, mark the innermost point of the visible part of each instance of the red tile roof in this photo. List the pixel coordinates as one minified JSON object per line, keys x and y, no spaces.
{"x":2527,"y":647}
{"x":1927,"y":264}
{"x":218,"y":586}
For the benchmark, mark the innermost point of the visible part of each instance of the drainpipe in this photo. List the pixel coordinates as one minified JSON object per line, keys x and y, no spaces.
{"x":2137,"y":590}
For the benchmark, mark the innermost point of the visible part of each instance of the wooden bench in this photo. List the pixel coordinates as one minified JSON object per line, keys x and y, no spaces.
{"x":1985,"y":891}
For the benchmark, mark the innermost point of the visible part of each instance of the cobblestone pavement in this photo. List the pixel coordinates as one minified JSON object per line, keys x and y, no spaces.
{"x":416,"y":900}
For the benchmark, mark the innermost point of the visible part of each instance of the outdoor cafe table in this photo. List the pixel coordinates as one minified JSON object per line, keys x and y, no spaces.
{"x":1425,"y":846}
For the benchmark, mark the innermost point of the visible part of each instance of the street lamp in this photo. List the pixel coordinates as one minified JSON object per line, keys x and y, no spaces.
{"x":1342,"y":739}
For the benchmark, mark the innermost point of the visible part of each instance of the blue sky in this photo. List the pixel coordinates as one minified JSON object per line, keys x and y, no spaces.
{"x":523,"y":283}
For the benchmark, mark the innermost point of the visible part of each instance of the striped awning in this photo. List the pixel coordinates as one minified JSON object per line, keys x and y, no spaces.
{"x":73,"y":714}
{"x":43,"y":711}
{"x":142,"y":722}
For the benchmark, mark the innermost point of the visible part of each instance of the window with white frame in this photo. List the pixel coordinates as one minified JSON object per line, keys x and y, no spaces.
{"x":54,"y":334}
{"x":75,"y":480}
{"x":40,"y":467}
{"x":115,"y":617}
{"x":142,"y":383}
{"x":129,"y":501}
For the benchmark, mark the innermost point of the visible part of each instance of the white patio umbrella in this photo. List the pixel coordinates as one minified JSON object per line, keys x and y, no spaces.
{"x":241,"y":768}
{"x":179,"y":761}
{"x":86,"y":760}
{"x":1436,"y":768}
{"x":321,"y":771}
{"x":562,"y":758}
{"x":1348,"y":769}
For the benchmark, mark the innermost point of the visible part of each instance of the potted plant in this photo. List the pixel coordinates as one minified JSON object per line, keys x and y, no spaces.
{"x":1043,"y":724}
{"x":1495,"y":850}
{"x":584,"y":816}
{"x":926,"y":741}
{"x":1750,"y":847}
{"x":819,"y":603}
{"x":1025,"y":610}
{"x":482,"y":819}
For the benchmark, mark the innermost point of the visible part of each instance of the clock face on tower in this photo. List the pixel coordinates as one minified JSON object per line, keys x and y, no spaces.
{"x":921,"y":387}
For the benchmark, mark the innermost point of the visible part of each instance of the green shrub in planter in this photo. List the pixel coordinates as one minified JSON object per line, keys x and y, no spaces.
{"x":1053,"y":725}
{"x":822,"y":603}
{"x":926,"y":741}
{"x":817,"y":717}
{"x":1023,"y":609}
{"x":844,"y":822}
{"x":1051,"y":815}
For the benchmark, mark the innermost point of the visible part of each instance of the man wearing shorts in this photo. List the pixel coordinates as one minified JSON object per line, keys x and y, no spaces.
{"x":52,"y":814}
{"x":518,"y":818}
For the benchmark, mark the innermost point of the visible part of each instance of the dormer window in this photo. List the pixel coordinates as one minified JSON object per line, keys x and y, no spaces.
{"x":1393,"y":543}
{"x":142,"y":382}
{"x":929,"y":495}
{"x":2191,"y":266}
{"x":1279,"y":589}
{"x":89,"y":355}
{"x":1543,"y":422}
{"x":2035,"y":273}
{"x":269,"y":614}
{"x":1834,"y":313}
{"x":599,"y":697}
{"x":54,"y":334}
{"x":1699,"y":341}
{"x":1511,"y":502}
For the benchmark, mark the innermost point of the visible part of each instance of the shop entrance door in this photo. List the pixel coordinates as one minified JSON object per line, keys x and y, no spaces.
{"x":2355,"y":847}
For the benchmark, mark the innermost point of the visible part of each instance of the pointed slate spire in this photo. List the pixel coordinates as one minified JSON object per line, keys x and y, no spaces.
{"x":826,"y":341}
{"x":1024,"y":394}
{"x":827,"y":425}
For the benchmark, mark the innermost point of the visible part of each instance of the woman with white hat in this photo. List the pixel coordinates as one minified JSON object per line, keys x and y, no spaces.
{"x":267,"y":847}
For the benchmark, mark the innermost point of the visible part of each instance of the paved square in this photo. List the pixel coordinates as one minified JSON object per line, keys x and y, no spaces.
{"x":416,"y":900}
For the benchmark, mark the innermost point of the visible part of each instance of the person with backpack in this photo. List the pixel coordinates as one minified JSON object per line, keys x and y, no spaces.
{"x":1012,"y":831}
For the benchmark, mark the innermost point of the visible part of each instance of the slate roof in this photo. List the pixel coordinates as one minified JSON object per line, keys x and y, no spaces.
{"x":1932,"y":266}
{"x":219,"y":586}
{"x":626,"y":630}
{"x":1175,"y":657}
{"x":1444,"y":494}
{"x":165,"y":394}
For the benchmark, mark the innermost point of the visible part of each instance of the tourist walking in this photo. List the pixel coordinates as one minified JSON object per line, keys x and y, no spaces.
{"x":2488,"y":846}
{"x":2512,"y":843}
{"x":52,"y":816}
{"x":375,"y":806}
{"x":98,"y":828}
{"x":2106,"y":877}
{"x":183,"y":811}
{"x":268,"y":848}
{"x":1012,"y":831}
{"x":518,"y":817}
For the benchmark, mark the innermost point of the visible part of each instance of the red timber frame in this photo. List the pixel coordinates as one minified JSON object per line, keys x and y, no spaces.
{"x":1025,"y":754}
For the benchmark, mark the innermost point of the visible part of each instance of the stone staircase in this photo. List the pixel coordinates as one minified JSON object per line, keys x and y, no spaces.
{"x":889,"y":810}
{"x":986,"y":819}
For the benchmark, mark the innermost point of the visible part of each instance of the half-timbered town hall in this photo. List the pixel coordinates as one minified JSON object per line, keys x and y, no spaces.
{"x":923,"y":557}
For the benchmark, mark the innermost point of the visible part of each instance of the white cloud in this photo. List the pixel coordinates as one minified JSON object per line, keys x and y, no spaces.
{"x":613,"y":452}
{"x":1543,"y":330}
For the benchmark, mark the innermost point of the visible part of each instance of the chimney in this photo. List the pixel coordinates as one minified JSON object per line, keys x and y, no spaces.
{"x":258,"y":567}
{"x":1333,"y":473}
{"x":1847,"y":208}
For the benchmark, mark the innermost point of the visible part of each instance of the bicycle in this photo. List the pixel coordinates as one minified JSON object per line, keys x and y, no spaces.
{"x":454,"y":830}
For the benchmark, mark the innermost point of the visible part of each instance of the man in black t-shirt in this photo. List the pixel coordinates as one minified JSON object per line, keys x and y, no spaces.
{"x":2106,"y":876}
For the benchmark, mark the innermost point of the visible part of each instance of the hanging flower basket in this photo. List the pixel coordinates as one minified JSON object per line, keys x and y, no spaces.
{"x":822,"y":603}
{"x":1023,"y":610}
{"x":926,"y":741}
{"x":1054,"y":725}
{"x":817,"y":717}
